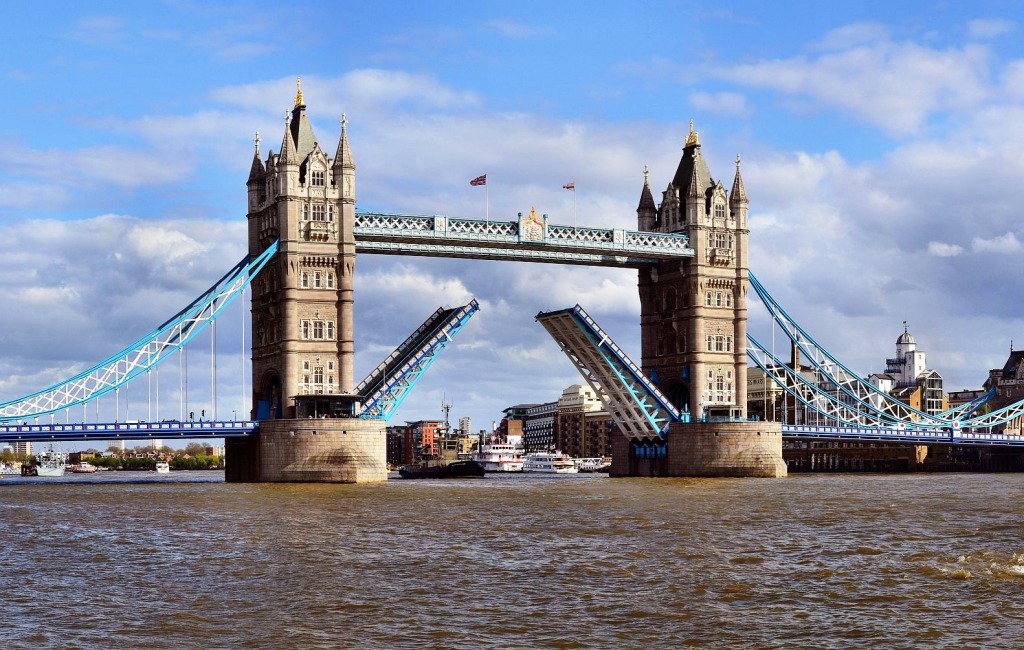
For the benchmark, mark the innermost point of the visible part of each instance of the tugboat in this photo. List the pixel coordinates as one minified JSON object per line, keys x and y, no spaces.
{"x":457,"y":469}
{"x":431,"y":466}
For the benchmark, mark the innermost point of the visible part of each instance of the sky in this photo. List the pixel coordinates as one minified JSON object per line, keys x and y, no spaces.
{"x":882,"y":147}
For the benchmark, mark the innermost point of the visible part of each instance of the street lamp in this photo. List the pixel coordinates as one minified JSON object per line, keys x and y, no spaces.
{"x":233,"y":414}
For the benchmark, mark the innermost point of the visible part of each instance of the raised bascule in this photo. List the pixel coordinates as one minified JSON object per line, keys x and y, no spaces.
{"x":681,"y":411}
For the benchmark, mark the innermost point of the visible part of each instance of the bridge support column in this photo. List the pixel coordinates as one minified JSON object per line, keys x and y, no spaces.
{"x":726,"y":449}
{"x":337,"y":450}
{"x":748,"y":449}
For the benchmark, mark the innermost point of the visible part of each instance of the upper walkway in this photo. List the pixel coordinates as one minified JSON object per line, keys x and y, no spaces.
{"x":530,"y":239}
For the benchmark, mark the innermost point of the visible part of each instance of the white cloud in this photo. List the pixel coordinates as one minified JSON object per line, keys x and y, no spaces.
{"x":1006,"y":243}
{"x":723,"y":103}
{"x":940,"y":249}
{"x":986,"y":28}
{"x":895,"y":86}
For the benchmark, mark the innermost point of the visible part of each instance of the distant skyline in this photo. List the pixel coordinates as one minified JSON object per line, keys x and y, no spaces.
{"x":880,"y":142}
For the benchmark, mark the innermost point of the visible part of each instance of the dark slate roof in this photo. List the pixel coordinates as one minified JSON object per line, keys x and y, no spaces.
{"x":693,"y":178}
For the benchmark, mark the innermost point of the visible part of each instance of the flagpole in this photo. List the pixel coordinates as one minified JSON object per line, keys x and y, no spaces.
{"x":487,"y":202}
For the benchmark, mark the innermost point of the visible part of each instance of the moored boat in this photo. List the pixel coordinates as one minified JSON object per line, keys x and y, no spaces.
{"x":457,"y":469}
{"x":500,"y":457}
{"x":163,"y":467}
{"x":549,"y":462}
{"x":593,"y":464}
{"x":83,"y":467}
{"x":47,"y":463}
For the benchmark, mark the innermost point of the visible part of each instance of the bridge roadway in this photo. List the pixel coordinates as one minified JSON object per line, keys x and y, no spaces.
{"x":114,"y":431}
{"x":910,"y":436}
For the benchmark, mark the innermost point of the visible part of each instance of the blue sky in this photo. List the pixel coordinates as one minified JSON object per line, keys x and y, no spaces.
{"x":881,"y":144}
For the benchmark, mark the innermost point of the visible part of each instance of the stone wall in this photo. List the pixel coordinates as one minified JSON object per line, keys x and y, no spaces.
{"x":751,"y":449}
{"x":342,"y":450}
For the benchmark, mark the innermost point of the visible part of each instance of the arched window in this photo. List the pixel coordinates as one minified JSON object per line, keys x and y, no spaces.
{"x":317,"y":280}
{"x":305,"y":280}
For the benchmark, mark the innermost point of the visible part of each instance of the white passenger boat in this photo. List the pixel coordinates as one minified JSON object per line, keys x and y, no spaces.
{"x":549,"y":462}
{"x":83,"y":467}
{"x":500,"y":457}
{"x":163,"y":467}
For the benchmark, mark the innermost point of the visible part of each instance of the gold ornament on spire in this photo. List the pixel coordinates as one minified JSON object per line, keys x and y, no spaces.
{"x":691,"y":140}
{"x":298,"y":94}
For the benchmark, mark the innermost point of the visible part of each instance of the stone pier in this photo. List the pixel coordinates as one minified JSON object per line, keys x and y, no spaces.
{"x":737,"y":449}
{"x":335,"y":450}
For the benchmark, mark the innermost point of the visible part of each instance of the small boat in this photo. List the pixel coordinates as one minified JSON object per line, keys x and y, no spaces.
{"x":549,"y":462}
{"x":83,"y":467}
{"x":593,"y":464}
{"x":163,"y":467}
{"x":457,"y":469}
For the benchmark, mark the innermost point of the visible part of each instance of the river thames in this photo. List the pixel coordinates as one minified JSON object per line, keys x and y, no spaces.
{"x":130,"y":560}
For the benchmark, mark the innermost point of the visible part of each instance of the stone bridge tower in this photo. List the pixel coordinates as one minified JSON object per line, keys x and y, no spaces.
{"x":693,"y":313}
{"x":302,"y":318}
{"x":302,"y":302}
{"x":693,"y":332}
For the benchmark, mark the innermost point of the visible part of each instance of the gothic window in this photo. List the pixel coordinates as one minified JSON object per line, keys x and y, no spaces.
{"x":318,"y":212}
{"x":318,"y":329}
{"x":728,"y":299}
{"x":330,"y":381}
{"x":718,"y":299}
{"x":305,"y":280}
{"x":317,"y":280}
{"x":330,"y":212}
{"x":305,"y":212}
{"x":707,"y":299}
{"x":710,"y":342}
{"x":330,"y":366}
{"x":318,"y":375}
{"x":305,"y":329}
{"x":305,"y":379}
{"x":305,"y":366}
{"x":330,"y":280}
{"x":719,"y":211}
{"x":721,"y":240}
{"x":330,"y":330}
{"x":318,"y":177}
{"x":719,"y":343}
{"x":728,"y":344}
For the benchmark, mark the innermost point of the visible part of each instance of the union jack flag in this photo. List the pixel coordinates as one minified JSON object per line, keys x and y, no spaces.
{"x":479,"y":180}
{"x":570,"y":186}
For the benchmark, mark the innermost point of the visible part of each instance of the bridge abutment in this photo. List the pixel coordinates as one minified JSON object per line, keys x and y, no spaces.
{"x":312,"y":450}
{"x":709,"y":449}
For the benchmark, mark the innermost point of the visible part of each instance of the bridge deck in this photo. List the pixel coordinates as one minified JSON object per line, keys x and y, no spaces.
{"x":124,"y":431}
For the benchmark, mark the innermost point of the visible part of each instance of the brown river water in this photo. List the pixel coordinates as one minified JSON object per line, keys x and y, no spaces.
{"x":122,"y":560}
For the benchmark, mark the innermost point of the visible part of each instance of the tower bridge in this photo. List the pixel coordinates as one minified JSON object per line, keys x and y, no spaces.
{"x":681,"y":410}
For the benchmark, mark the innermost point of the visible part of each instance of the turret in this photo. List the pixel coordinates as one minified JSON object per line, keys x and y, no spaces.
{"x":287,"y":165}
{"x":738,"y":202}
{"x":257,"y":178}
{"x":646,"y":211}
{"x":344,"y":167}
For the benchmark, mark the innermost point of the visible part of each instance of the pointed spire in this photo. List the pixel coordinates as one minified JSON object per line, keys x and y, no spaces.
{"x":646,"y":198}
{"x":739,"y":193}
{"x":287,"y":145}
{"x":697,"y":186}
{"x":298,"y":92}
{"x":343,"y":157}
{"x":256,"y":171}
